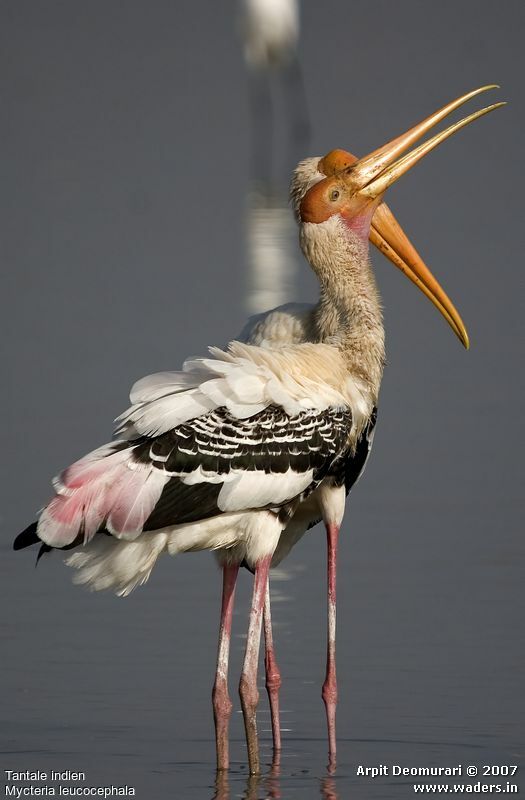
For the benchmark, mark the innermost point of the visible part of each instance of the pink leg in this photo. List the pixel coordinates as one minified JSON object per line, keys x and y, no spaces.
{"x":273,"y":676}
{"x":248,"y":685}
{"x":222,"y":705}
{"x":330,"y":684}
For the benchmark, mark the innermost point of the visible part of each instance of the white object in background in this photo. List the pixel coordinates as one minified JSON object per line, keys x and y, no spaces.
{"x":270,"y":31}
{"x":271,"y":235}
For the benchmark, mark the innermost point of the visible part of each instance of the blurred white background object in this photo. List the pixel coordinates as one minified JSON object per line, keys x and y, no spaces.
{"x":270,"y":30}
{"x":270,"y":33}
{"x":272,"y":252}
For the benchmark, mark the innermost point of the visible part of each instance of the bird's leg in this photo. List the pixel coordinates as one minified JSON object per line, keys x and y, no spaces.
{"x":248,"y":684}
{"x":222,"y":705}
{"x":330,"y":684}
{"x":273,"y":676}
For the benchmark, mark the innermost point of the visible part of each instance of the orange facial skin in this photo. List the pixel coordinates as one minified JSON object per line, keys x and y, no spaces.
{"x":358,"y":217}
{"x":354,"y":188}
{"x":330,"y":196}
{"x":323,"y":200}
{"x":335,"y":161}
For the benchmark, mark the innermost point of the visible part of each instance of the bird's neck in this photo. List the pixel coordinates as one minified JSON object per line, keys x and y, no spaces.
{"x":348,"y":314}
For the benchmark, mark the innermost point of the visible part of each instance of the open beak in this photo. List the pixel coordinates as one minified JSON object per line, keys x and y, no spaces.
{"x":370,"y":177}
{"x":390,"y":239}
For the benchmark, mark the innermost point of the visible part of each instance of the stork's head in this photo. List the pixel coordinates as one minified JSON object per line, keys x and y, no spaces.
{"x":312,"y":170}
{"x":343,"y":194}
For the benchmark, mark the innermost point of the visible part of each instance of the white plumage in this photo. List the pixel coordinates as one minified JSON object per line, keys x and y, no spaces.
{"x":120,"y":566}
{"x":118,"y":486}
{"x":278,"y":361}
{"x":245,"y":379}
{"x":270,"y":31}
{"x":260,"y":438}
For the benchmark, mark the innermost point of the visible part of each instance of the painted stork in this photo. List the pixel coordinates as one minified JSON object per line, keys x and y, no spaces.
{"x":294,"y":323}
{"x":226,"y":454}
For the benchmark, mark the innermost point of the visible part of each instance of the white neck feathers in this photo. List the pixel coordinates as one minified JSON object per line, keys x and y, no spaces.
{"x":348,"y":314}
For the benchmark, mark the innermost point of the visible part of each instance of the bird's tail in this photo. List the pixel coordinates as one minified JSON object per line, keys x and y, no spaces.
{"x":28,"y":537}
{"x":105,"y":562}
{"x":109,"y":489}
{"x":117,"y":564}
{"x":106,"y":492}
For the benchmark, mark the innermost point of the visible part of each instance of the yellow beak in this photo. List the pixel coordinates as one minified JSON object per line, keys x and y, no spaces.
{"x":371,"y":176}
{"x":390,"y":239}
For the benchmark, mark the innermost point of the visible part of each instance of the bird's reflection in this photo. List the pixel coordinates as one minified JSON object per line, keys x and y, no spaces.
{"x":328,"y":790}
{"x":267,"y":786}
{"x":222,"y":787}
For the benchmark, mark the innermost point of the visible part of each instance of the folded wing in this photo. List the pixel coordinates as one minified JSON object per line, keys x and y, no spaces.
{"x":227,"y":434}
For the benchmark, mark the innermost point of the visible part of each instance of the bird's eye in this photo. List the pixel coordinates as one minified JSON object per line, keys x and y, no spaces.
{"x":334,"y":195}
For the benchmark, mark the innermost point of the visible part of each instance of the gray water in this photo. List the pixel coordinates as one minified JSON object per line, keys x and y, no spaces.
{"x":430,"y":668}
{"x":124,"y":175}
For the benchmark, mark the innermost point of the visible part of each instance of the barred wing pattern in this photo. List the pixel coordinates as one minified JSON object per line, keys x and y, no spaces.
{"x":200,"y":454}
{"x":218,"y":463}
{"x":204,"y":467}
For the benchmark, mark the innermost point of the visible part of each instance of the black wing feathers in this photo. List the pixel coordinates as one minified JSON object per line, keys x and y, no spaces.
{"x":184,"y":503}
{"x":270,"y":441}
{"x":27,"y":537}
{"x":217,"y":444}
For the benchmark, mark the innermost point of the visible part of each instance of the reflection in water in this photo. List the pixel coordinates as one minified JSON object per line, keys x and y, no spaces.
{"x":328,"y":790}
{"x":266,"y":787}
{"x":222,"y":787}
